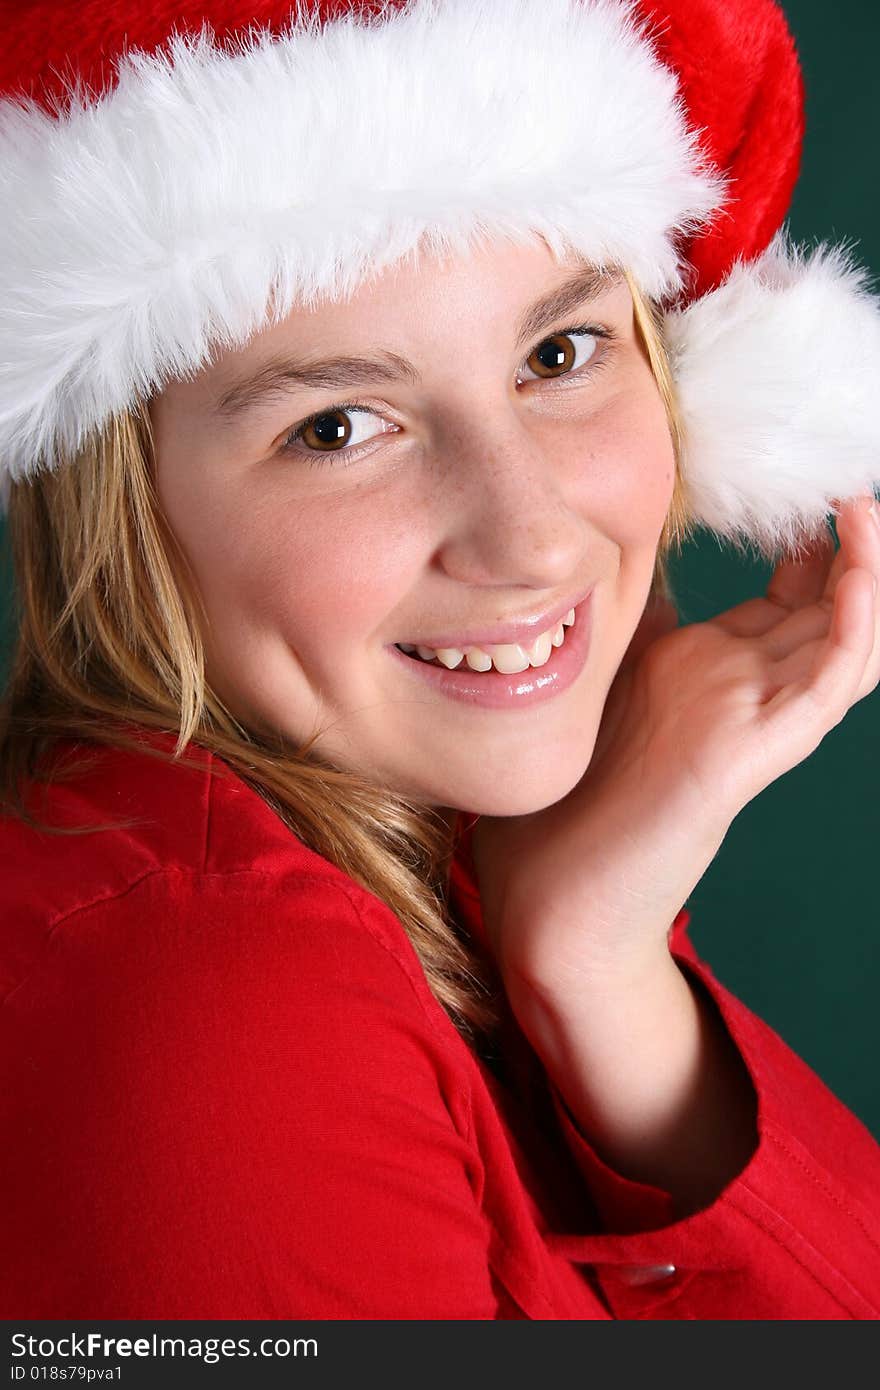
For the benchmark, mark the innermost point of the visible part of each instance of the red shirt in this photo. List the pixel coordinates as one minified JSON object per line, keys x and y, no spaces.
{"x":227,"y":1091}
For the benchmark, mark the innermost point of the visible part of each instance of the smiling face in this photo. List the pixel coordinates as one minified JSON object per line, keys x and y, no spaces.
{"x":488,"y":481}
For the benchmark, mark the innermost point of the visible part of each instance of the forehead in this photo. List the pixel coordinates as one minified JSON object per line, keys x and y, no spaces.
{"x":529,"y":293}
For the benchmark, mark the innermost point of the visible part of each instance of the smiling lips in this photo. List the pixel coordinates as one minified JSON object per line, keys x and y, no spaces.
{"x":509,"y":658}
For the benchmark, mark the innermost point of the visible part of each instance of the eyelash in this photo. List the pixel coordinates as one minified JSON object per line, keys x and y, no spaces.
{"x":319,"y":458}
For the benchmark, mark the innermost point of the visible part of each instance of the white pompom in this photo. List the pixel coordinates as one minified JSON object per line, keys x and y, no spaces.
{"x":778,"y":380}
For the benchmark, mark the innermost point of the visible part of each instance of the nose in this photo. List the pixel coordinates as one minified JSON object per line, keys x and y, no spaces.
{"x":510,"y":513}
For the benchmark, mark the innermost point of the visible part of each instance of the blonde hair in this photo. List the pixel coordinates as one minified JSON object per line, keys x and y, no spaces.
{"x":108,"y":633}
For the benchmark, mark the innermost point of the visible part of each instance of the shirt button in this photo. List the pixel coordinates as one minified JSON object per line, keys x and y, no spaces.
{"x":634,"y":1275}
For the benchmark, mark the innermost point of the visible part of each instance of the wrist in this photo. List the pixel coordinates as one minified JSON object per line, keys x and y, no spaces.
{"x":552,"y":1005}
{"x":650,"y":1076}
{"x":573,"y":960}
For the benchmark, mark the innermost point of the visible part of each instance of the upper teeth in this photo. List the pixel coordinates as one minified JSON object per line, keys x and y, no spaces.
{"x":508,"y":659}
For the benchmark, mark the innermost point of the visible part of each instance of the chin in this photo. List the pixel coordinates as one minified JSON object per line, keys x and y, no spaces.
{"x":519,"y":801}
{"x":519,"y":792}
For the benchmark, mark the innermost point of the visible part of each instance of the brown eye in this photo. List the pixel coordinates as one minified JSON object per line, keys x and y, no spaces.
{"x":570,"y":353}
{"x":337,"y":430}
{"x":328,"y":431}
{"x":553,"y":355}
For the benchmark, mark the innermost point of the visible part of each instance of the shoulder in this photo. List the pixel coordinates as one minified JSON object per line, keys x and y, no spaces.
{"x":152,"y":811}
{"x":185,"y":847}
{"x":226,"y":961}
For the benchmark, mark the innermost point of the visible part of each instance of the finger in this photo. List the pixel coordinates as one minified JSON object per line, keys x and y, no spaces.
{"x":859,"y":549}
{"x":797,"y":639}
{"x":811,"y":621}
{"x":858,"y":526}
{"x":838,"y":567}
{"x":788,"y":636}
{"x":859,"y":532}
{"x":799,"y":580}
{"x":815,"y":703}
{"x":871,"y":674}
{"x":870,"y":547}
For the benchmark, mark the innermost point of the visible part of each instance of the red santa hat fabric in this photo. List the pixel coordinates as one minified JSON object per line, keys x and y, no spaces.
{"x":180,"y":175}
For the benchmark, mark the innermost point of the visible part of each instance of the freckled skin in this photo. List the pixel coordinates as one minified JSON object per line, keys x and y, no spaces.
{"x":492,"y":500}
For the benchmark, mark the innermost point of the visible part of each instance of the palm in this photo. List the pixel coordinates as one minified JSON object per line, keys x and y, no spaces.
{"x":716,"y":696}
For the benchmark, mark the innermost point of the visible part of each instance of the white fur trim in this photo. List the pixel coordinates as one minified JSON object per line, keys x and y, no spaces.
{"x":778,"y":372}
{"x":142,"y":229}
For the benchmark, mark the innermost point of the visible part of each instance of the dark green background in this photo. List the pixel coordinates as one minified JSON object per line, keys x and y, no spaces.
{"x":786,"y":913}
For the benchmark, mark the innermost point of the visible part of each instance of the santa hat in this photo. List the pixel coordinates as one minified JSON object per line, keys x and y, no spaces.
{"x":177,"y":176}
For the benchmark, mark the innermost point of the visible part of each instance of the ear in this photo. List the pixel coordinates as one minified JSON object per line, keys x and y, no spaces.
{"x":777,"y":374}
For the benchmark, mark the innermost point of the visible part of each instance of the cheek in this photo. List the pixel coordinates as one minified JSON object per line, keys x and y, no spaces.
{"x":317,"y":574}
{"x":319,"y":570}
{"x":632,"y":469}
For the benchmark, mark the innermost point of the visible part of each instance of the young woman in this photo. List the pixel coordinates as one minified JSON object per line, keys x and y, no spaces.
{"x":363,"y":367}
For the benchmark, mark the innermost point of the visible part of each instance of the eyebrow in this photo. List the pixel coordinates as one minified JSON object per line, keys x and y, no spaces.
{"x":276,"y":376}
